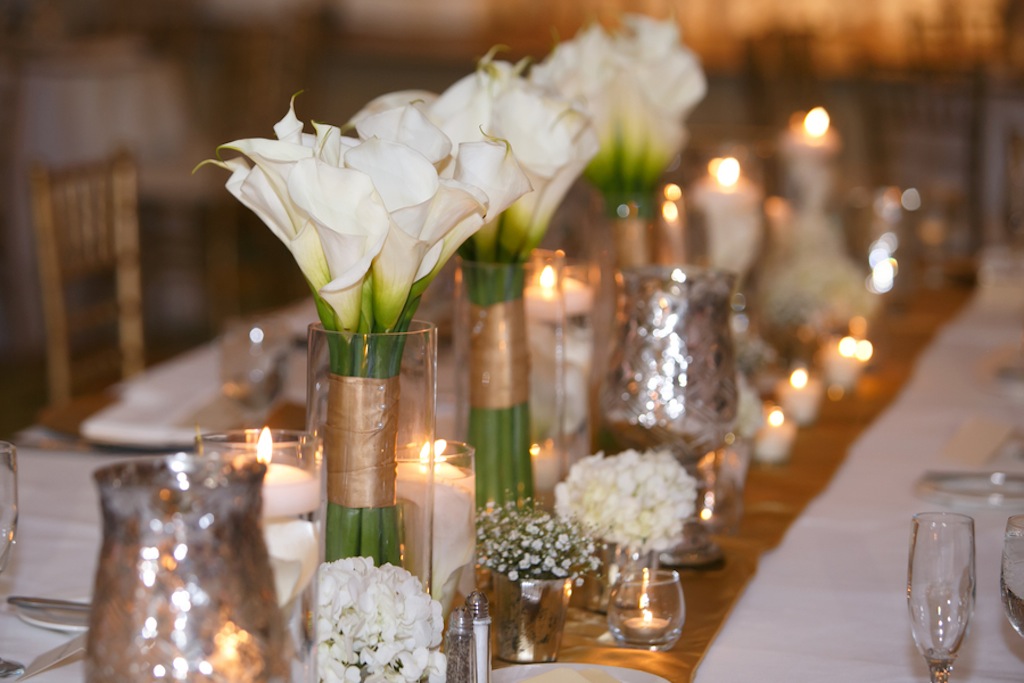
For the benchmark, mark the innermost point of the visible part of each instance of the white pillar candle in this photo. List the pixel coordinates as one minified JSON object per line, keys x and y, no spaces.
{"x":800,"y":396}
{"x":454,"y":510}
{"x":547,"y":467}
{"x":545,"y":301}
{"x":731,"y":206}
{"x":288,"y":490}
{"x":775,"y":439}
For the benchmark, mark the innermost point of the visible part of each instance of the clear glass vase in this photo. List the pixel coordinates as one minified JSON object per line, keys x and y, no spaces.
{"x":184,"y":588}
{"x":371,"y":399}
{"x":615,"y":560}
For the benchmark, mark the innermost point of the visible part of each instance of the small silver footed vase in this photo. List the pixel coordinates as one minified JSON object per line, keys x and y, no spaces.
{"x":671,"y":380}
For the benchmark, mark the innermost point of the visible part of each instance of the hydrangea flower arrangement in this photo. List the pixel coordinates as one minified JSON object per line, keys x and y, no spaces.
{"x":636,"y":500}
{"x":377,"y":625}
{"x":530,"y":543}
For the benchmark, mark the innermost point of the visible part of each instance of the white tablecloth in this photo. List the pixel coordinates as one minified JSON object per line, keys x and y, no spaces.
{"x":829,"y":604}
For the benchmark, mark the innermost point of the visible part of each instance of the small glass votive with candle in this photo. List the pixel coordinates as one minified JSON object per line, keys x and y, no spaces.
{"x":293,"y":515}
{"x":800,"y":396}
{"x":447,"y":499}
{"x":646,"y":609}
{"x":844,"y":359}
{"x":775,"y":439}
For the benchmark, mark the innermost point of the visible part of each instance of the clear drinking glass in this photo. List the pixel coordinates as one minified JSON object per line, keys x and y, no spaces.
{"x":252,"y":365}
{"x":940,"y":586}
{"x":1011,"y":576}
{"x":8,"y":523}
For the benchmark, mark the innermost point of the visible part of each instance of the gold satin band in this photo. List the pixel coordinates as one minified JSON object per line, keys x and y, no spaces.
{"x":360,"y":440}
{"x":632,"y":242}
{"x":499,"y":362}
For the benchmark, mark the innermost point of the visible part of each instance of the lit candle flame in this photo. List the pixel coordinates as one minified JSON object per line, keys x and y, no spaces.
{"x":864,"y":351}
{"x":548,"y":278}
{"x":265,"y":446}
{"x":673,"y":192}
{"x":726,"y":171}
{"x":798,"y":379}
{"x":647,"y":617}
{"x":816,"y":122}
{"x":847,"y":347}
{"x":776,"y":417}
{"x":670,"y":212}
{"x":439,"y":447}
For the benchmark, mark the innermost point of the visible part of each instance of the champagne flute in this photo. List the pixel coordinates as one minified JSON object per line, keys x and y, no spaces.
{"x":940,"y":586}
{"x":8,"y":525}
{"x":1011,"y":575}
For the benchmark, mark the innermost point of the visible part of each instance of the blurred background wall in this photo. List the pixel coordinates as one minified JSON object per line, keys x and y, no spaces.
{"x":925,"y":92}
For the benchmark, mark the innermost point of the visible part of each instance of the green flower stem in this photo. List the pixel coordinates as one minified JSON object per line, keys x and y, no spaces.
{"x":501,"y":436}
{"x":364,"y":532}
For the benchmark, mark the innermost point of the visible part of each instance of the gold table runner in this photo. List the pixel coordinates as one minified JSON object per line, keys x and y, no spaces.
{"x":776,"y":495}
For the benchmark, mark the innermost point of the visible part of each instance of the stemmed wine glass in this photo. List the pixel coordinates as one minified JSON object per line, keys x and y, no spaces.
{"x":8,"y":525}
{"x":1011,"y":575}
{"x":940,"y":586}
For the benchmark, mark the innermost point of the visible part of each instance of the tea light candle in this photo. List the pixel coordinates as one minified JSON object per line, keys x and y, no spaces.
{"x":800,"y":396}
{"x":775,"y":439}
{"x":288,"y":490}
{"x":844,"y":360}
{"x":644,"y":627}
{"x":545,"y":301}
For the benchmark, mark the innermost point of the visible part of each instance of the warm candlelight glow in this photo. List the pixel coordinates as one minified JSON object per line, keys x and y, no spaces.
{"x":670,"y":212}
{"x":439,"y":446}
{"x":673,"y":192}
{"x":847,"y":347}
{"x":647,"y":617}
{"x":548,"y":278}
{"x":265,"y":446}
{"x":858,"y":326}
{"x":863,"y":350}
{"x":726,"y":171}
{"x":798,"y":378}
{"x":776,"y":418}
{"x":816,"y":122}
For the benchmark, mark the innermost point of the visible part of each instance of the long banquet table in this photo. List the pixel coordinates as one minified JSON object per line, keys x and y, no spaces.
{"x":806,"y":594}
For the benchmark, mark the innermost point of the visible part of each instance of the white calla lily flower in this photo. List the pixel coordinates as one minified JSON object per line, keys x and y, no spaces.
{"x":383,"y":210}
{"x":639,"y":84}
{"x":551,"y":139}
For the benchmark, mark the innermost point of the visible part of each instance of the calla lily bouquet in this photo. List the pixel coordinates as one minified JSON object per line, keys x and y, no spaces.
{"x":553,"y":140}
{"x":639,"y":84}
{"x":371,"y":214}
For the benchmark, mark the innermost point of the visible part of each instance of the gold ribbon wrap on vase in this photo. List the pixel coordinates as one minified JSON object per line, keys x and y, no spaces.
{"x":499,"y":370}
{"x":360,"y":441}
{"x":632,"y":241}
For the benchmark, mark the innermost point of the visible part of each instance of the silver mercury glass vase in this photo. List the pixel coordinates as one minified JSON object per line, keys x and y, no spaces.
{"x":671,"y":381}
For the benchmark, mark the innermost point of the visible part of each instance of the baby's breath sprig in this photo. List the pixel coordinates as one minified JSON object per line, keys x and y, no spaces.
{"x":529,"y":543}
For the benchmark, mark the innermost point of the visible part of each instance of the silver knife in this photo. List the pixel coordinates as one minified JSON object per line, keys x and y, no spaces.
{"x":49,"y":604}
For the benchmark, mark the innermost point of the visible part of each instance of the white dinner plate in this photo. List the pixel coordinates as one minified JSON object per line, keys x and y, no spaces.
{"x":978,"y":490}
{"x":515,"y":674}
{"x":55,"y":619}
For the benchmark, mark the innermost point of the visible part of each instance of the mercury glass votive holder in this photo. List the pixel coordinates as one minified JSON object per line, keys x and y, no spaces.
{"x":646,"y":609}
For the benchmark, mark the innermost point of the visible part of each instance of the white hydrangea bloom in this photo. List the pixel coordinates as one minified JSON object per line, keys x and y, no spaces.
{"x":632,"y":499}
{"x":377,"y":622}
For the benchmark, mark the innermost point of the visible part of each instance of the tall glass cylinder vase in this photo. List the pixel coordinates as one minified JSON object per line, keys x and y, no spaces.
{"x":293,"y":503}
{"x":371,"y":399}
{"x":672,"y":381}
{"x":494,"y":396}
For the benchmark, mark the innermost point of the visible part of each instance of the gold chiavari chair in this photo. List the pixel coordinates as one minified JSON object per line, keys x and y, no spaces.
{"x":87,"y":238}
